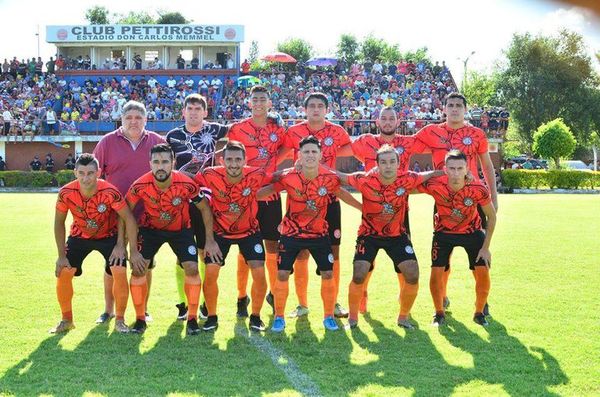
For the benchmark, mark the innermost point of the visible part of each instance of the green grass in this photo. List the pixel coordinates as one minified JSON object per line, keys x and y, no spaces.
{"x":544,"y":338}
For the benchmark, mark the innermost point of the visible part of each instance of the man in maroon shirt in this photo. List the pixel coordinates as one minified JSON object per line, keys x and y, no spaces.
{"x":124,"y":156}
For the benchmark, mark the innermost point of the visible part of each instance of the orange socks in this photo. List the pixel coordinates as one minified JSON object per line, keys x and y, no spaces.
{"x":259,"y":289}
{"x":139,"y":292}
{"x":192,"y":287}
{"x":120,"y":290}
{"x":211,"y":289}
{"x":408,"y":294}
{"x":242,"y":276}
{"x":482,"y":287}
{"x":271,"y":265}
{"x":336,"y":278}
{"x":355,"y":294}
{"x":328,"y":296}
{"x":436,"y":286}
{"x":301,"y":281}
{"x":64,"y":292}
{"x":445,"y":285}
{"x":281,"y":292}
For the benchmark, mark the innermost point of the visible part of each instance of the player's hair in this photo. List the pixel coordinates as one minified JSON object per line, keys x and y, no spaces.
{"x":386,"y":149}
{"x":87,"y":159}
{"x":260,"y":89}
{"x":162,"y":148}
{"x":316,"y":95}
{"x":234,"y":146}
{"x":386,"y":109}
{"x":455,"y":154}
{"x":195,"y":99}
{"x":311,"y":139}
{"x":134,"y":106}
{"x":456,"y":95}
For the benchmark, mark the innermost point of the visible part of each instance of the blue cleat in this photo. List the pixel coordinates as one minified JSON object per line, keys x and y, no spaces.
{"x":330,"y":324}
{"x":278,"y":324}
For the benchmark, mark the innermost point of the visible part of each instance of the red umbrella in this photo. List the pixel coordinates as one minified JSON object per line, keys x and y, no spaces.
{"x":281,"y":57}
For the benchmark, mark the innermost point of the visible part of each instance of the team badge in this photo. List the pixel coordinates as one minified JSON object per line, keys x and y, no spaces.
{"x":273,"y":137}
{"x":262,"y":153}
{"x":311,"y":205}
{"x":409,"y":249}
{"x":246,"y":192}
{"x":176,"y":201}
{"x":322,"y":191}
{"x":468,"y":201}
{"x":388,"y":208}
{"x":328,"y":141}
{"x":400,"y":191}
{"x":165,"y":216}
{"x":399,"y":150}
{"x":258,"y":249}
{"x":91,"y":224}
{"x":192,"y":250}
{"x":330,"y":257}
{"x":467,"y":140}
{"x":233,"y":207}
{"x":456,"y":213}
{"x":101,"y":208}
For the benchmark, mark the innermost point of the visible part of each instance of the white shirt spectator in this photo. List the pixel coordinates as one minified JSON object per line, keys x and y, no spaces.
{"x":189,"y":82}
{"x":152,"y":82}
{"x":216,"y":82}
{"x":171,"y":83}
{"x":230,"y":64}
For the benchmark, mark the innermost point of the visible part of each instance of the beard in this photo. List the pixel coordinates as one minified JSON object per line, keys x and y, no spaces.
{"x":161,"y":176}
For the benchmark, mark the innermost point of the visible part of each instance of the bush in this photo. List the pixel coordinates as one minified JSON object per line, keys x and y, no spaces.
{"x":26,"y":178}
{"x":64,"y":176}
{"x":562,"y":179}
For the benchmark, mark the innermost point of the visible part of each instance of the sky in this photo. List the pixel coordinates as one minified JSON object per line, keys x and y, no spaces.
{"x":450,"y":30}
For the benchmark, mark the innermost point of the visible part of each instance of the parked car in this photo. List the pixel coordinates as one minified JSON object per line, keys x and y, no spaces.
{"x":576,"y":165}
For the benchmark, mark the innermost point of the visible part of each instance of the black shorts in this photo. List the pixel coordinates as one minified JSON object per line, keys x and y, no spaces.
{"x":197,"y":226}
{"x":251,"y":248}
{"x":79,"y":248}
{"x":181,"y":242}
{"x":399,"y":249}
{"x":319,"y":248}
{"x":269,"y":217}
{"x":444,"y":243}
{"x":334,"y":220}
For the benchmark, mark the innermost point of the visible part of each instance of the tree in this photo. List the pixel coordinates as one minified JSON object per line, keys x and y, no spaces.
{"x":171,"y":18}
{"x":482,"y":89}
{"x":554,"y":140}
{"x":347,"y":49}
{"x":136,"y":18}
{"x":421,"y":54}
{"x":97,"y":15}
{"x":253,"y":52}
{"x":391,"y":54}
{"x":549,"y":77}
{"x":300,"y":49}
{"x":372,"y":48}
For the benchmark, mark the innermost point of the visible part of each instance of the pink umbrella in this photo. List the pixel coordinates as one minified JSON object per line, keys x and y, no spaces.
{"x":281,"y":57}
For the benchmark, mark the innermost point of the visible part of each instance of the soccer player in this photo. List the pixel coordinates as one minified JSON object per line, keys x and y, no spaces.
{"x":385,"y":193}
{"x":457,"y":224}
{"x":334,"y":141}
{"x":304,"y":227}
{"x":365,"y":148}
{"x":263,"y":139}
{"x":95,"y":205}
{"x":194,"y":145}
{"x":124,"y":155}
{"x":232,"y":189}
{"x":165,"y":194}
{"x":456,"y":133}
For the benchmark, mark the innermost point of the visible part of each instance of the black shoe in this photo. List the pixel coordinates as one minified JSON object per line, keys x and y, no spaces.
{"x":203,"y":311}
{"x":438,"y":320}
{"x":192,"y":327}
{"x":139,"y":327}
{"x":480,"y":319}
{"x":183,"y":309}
{"x":446,"y":303}
{"x":486,"y":309}
{"x":211,"y":323}
{"x":242,"y":307}
{"x":271,"y":300}
{"x":256,"y":323}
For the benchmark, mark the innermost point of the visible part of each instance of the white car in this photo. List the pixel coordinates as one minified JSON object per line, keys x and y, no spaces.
{"x":576,"y":165}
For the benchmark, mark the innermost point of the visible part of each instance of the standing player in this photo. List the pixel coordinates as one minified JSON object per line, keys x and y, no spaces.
{"x":232,"y":189}
{"x":457,"y":134}
{"x":458,"y":224}
{"x":365,"y":149}
{"x":94,"y":204}
{"x":124,"y":155}
{"x":263,"y":139}
{"x":194,"y":146}
{"x":385,"y":193}
{"x":305,"y":227}
{"x":165,"y":194}
{"x":334,"y":141}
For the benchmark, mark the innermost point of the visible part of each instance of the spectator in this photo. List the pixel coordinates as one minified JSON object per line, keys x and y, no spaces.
{"x":70,"y":162}
{"x":51,"y":122}
{"x":35,"y":164}
{"x":416,"y":167}
{"x":49,"y":163}
{"x":180,"y":62}
{"x":245,"y":67}
{"x":3,"y":166}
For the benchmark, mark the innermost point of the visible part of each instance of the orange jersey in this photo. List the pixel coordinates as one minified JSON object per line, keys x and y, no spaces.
{"x":164,"y":209}
{"x":307,"y":202}
{"x":262,"y":143}
{"x":440,"y":138}
{"x":384,"y":206}
{"x":234,"y":205}
{"x":456,"y":212}
{"x":365,"y":149}
{"x":332,"y":138}
{"x":96,"y":217}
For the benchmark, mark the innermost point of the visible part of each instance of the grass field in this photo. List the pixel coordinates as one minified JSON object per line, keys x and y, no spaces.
{"x":544,"y":338}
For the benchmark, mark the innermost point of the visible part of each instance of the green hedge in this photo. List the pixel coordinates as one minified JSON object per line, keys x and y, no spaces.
{"x":562,"y":179}
{"x":36,"y":178}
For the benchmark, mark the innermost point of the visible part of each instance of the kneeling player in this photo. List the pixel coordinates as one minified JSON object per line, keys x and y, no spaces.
{"x":94,"y":204}
{"x":458,"y":224}
{"x":385,"y":193}
{"x":233,"y":190}
{"x":165,"y":194}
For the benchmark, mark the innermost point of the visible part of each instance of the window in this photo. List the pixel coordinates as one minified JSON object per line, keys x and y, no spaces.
{"x":150,"y":55}
{"x":187,"y":54}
